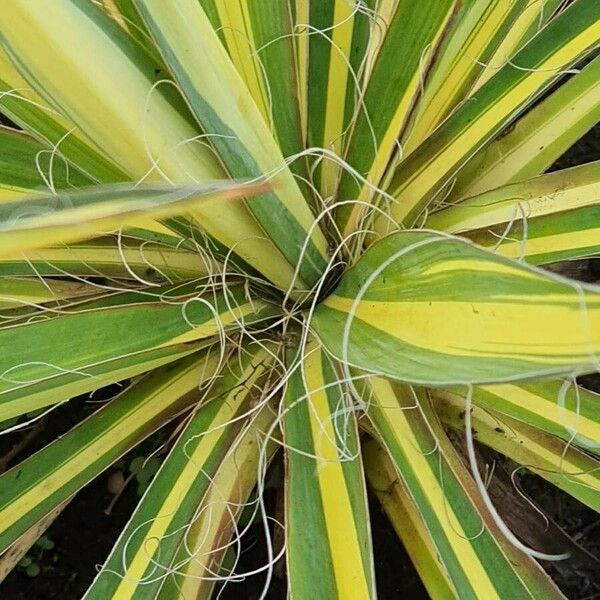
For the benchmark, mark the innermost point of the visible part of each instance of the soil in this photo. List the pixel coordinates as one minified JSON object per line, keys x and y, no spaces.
{"x":83,"y":534}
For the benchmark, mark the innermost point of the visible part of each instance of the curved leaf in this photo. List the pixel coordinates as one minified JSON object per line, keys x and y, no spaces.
{"x":42,"y":221}
{"x":431,"y":309}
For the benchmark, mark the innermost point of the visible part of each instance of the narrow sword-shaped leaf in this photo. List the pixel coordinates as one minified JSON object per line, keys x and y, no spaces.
{"x":29,"y":111}
{"x":426,"y":172}
{"x":259,"y":39}
{"x":406,"y":520}
{"x":33,"y":41}
{"x":537,"y":139}
{"x":547,"y":194}
{"x":34,"y":487}
{"x":568,"y":235}
{"x":51,"y":359}
{"x":476,"y":32}
{"x":479,"y":562}
{"x":431,"y":309}
{"x":127,"y":258}
{"x":329,"y":551}
{"x":157,"y":138}
{"x":18,"y":400}
{"x":208,"y":538}
{"x":416,"y":30}
{"x":220,"y":100}
{"x":337,"y":35}
{"x":233,"y":22}
{"x":532,"y":18}
{"x":140,"y":560}
{"x":568,"y":468}
{"x":40,"y":221}
{"x":23,"y":291}
{"x":559,"y":408}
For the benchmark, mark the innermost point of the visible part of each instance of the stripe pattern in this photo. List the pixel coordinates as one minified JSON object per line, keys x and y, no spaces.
{"x":557,"y":461}
{"x":208,"y":540}
{"x":127,"y":258}
{"x":84,"y":214}
{"x":260,"y":40}
{"x":237,"y":130}
{"x":426,"y":172}
{"x":406,"y":520}
{"x":42,"y":482}
{"x":94,"y":352}
{"x":431,"y":309}
{"x":478,"y":561}
{"x":558,"y":408}
{"x":415,"y":31}
{"x":138,"y":564}
{"x":530,"y":146}
{"x":548,"y":194}
{"x":329,"y":551}
{"x":476,"y":31}
{"x":569,"y":235}
{"x":51,"y":128}
{"x":158,"y":137}
{"x":337,"y":35}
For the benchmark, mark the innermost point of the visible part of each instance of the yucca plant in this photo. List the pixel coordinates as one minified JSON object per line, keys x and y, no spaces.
{"x":317,"y":228}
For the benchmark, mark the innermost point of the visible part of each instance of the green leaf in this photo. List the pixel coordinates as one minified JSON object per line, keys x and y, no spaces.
{"x":55,"y":359}
{"x":547,"y":219}
{"x":23,"y":161}
{"x":425,"y":173}
{"x":36,"y":486}
{"x":415,"y":32}
{"x":220,"y":100}
{"x":80,"y":215}
{"x":143,"y":127}
{"x":553,"y":459}
{"x":479,"y":561}
{"x":139,"y":562}
{"x":432,"y":309}
{"x":209,"y":544}
{"x":332,"y":48}
{"x":406,"y":520}
{"x":560,"y":408}
{"x":476,"y":31}
{"x":537,"y":139}
{"x":327,"y":525}
{"x":113,"y":257}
